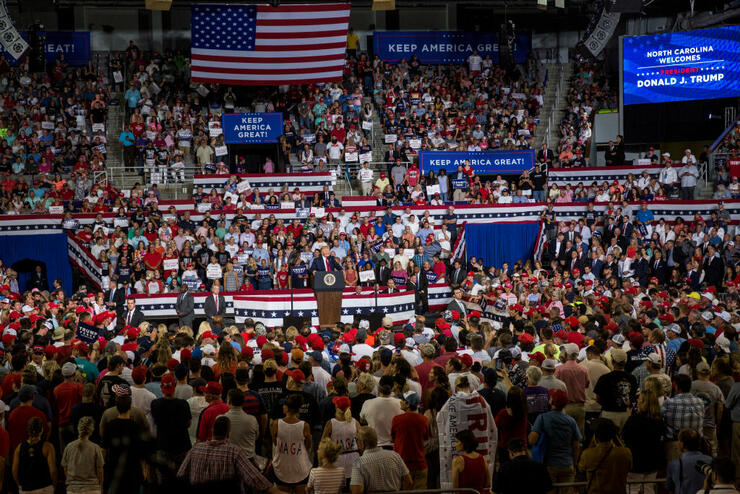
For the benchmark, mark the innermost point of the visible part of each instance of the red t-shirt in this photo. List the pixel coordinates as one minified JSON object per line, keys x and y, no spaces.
{"x":67,"y":395}
{"x":509,"y":429}
{"x":424,"y":369}
{"x":409,"y":431}
{"x":18,"y":423}
{"x":208,"y":417}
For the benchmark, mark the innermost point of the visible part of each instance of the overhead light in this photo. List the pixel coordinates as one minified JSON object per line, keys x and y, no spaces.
{"x":10,"y":38}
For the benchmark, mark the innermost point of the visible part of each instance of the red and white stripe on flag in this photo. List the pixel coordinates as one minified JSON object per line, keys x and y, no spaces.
{"x":292,"y":44}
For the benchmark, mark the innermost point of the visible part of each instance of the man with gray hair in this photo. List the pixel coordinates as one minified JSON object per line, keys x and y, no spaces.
{"x":378,"y":469}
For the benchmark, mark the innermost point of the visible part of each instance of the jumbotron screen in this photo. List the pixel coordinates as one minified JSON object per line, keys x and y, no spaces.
{"x":682,"y":66}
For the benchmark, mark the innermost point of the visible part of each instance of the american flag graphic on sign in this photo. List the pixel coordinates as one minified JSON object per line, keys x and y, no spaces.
{"x":261,"y":45}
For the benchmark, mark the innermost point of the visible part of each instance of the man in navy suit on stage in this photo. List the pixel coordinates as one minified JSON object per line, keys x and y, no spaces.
{"x":325,"y":262}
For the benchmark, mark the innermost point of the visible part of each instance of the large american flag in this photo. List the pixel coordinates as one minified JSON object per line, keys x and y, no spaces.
{"x":261,"y":45}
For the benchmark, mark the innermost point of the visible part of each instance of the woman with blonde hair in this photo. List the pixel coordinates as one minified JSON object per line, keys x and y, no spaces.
{"x":327,"y":478}
{"x":204,"y":327}
{"x":164,"y":353}
{"x":343,"y":430}
{"x":82,"y":461}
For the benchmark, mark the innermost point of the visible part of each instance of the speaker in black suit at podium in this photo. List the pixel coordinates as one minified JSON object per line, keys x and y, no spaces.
{"x":328,"y":287}
{"x":328,"y":284}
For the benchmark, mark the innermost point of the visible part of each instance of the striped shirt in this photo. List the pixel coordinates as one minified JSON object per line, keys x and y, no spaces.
{"x":326,"y":480}
{"x":379,"y":470}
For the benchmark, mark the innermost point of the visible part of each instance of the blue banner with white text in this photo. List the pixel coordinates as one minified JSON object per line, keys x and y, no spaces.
{"x":483,"y":162}
{"x":682,"y":66}
{"x":75,"y":45}
{"x":252,"y":128}
{"x":443,"y":47}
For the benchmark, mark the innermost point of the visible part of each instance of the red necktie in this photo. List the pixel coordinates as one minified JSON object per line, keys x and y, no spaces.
{"x":326,"y":260}
{"x":215,"y":298}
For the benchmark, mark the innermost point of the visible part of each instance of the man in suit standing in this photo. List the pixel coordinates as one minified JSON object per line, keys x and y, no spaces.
{"x":185,"y":307}
{"x":38,"y":280}
{"x":456,"y":303}
{"x":215,"y":303}
{"x":714,"y":268}
{"x":133,"y":316}
{"x":658,"y":267}
{"x":325,"y":262}
{"x":383,"y":273}
{"x":457,"y":275}
{"x":545,"y":155}
{"x":116,"y":300}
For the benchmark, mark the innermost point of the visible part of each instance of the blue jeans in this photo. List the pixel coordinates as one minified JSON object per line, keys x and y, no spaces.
{"x":538,"y":195}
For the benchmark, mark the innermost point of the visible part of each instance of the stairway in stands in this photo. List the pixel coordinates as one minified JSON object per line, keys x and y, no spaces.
{"x":553,"y":104}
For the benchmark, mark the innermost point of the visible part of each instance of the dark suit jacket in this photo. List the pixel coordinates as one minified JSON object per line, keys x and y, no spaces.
{"x":318,"y":264}
{"x":332,"y":204}
{"x":210,"y":306}
{"x":456,"y":279}
{"x":185,"y":305}
{"x":714,"y":271}
{"x":119,"y":299}
{"x":596,"y":267}
{"x":458,"y":306}
{"x":38,"y":280}
{"x":382,"y":278}
{"x":136,"y":319}
{"x":658,"y":269}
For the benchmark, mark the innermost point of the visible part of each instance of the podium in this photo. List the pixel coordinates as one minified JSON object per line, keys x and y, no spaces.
{"x":328,"y":287}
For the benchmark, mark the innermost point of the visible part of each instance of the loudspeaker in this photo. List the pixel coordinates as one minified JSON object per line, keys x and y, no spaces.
{"x":384,"y":5}
{"x":9,"y":36}
{"x":624,"y":6}
{"x":158,"y":4}
{"x":375,"y":319}
{"x":296,"y":321}
{"x":602,"y":33}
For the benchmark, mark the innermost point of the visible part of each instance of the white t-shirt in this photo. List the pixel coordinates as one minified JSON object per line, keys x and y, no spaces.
{"x":474,"y":62}
{"x":378,"y":413}
{"x":362,"y":350}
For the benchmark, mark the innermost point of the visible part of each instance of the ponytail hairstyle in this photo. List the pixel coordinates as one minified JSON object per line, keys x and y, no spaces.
{"x":343,"y":408}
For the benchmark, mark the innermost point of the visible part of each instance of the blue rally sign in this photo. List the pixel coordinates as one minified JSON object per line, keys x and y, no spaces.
{"x":483,"y":162}
{"x":252,"y":128}
{"x":443,"y":47}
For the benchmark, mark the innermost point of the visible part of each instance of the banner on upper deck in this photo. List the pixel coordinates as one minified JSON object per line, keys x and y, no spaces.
{"x":442,"y":47}
{"x":252,"y":128}
{"x":483,"y":162}
{"x":74,"y":45}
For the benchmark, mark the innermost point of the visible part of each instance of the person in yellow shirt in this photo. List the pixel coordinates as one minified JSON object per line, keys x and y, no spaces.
{"x":352,"y":41}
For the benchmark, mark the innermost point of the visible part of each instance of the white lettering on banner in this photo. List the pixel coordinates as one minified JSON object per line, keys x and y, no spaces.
{"x":60,"y":48}
{"x":253,"y":127}
{"x":402,"y":47}
{"x":477,"y":162}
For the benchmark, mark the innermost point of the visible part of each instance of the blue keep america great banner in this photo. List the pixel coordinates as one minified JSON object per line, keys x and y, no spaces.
{"x":252,"y":128}
{"x":483,"y":162}
{"x":443,"y":47}
{"x":74,"y":45}
{"x":683,"y":66}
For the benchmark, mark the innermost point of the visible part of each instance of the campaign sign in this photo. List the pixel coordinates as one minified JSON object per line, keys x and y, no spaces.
{"x":443,"y":47}
{"x":87,"y":333}
{"x":252,"y":128}
{"x":483,"y":162}
{"x":74,"y":45}
{"x":683,"y":66}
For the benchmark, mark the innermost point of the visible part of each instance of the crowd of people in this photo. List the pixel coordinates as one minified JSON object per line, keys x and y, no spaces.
{"x":53,"y":132}
{"x":576,"y":365}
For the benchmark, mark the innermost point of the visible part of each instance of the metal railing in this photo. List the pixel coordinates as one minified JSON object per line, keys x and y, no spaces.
{"x":580,"y":487}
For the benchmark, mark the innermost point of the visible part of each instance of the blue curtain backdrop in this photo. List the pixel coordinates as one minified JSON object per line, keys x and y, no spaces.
{"x":50,"y":249}
{"x":497,"y":243}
